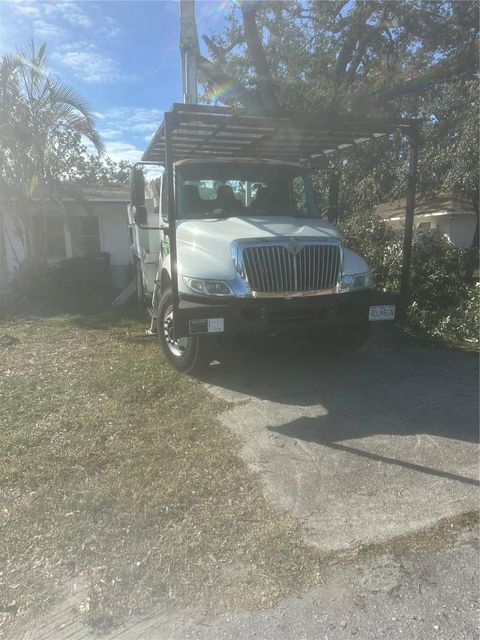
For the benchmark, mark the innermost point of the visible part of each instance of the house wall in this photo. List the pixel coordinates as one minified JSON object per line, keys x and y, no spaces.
{"x":114,"y":238}
{"x":461,"y":230}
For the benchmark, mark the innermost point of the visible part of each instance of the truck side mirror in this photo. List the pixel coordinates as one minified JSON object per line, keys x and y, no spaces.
{"x":140,"y":215}
{"x":137,"y":188}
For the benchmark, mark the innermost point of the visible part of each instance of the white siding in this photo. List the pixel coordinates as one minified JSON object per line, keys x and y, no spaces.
{"x":114,"y":238}
{"x":462,"y":228}
{"x":114,"y":232}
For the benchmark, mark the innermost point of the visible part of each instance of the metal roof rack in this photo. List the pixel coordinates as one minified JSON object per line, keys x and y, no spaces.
{"x":199,"y":131}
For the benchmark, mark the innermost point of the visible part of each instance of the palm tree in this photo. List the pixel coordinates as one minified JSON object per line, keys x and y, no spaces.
{"x":35,"y":109}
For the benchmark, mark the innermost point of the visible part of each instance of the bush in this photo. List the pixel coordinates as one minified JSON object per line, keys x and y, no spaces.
{"x":443,"y":305}
{"x":370,"y":237}
{"x":438,"y":280}
{"x":458,"y":328}
{"x":36,"y":279}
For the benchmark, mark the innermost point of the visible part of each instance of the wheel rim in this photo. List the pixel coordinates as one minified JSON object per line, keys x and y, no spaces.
{"x":176,"y":347}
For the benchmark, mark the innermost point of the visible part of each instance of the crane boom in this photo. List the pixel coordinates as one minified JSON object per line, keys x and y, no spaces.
{"x":189,"y":50}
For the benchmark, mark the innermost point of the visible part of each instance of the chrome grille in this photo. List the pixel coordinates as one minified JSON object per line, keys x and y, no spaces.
{"x":273,"y":268}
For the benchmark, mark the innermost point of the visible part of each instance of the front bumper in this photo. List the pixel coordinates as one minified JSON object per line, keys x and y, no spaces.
{"x":240,"y":315}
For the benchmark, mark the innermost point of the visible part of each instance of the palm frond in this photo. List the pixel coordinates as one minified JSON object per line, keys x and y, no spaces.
{"x":63,"y":97}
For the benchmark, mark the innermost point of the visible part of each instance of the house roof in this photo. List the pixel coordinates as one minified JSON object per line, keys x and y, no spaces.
{"x":97,"y":193}
{"x":426,"y":205}
{"x":73,"y":192}
{"x":207,"y":132}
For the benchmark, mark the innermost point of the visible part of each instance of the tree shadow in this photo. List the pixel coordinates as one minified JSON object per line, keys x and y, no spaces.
{"x":390,"y":387}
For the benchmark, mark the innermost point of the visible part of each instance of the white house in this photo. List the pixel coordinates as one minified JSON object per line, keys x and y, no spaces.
{"x":92,"y":221}
{"x":442,"y":213}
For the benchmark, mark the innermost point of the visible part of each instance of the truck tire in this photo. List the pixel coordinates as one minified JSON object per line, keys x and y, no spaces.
{"x":338,"y":340}
{"x":188,"y":355}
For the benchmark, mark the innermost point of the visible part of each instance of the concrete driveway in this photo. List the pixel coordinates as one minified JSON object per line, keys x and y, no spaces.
{"x":360,"y":448}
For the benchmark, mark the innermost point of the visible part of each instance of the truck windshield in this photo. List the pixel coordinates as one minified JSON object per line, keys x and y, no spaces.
{"x":211,"y":190}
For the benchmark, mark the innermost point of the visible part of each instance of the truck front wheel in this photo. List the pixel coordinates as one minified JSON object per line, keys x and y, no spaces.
{"x":187,"y":355}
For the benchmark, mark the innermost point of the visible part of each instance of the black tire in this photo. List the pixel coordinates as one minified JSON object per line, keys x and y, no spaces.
{"x":338,"y":340}
{"x":188,"y":355}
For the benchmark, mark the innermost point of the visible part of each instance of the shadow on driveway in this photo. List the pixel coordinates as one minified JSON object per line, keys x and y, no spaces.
{"x":381,"y":436}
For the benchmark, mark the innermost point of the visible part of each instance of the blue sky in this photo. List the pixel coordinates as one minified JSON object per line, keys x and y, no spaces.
{"x":121,"y":56}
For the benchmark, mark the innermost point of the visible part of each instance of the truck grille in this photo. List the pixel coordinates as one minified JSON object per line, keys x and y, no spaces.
{"x":273,"y":268}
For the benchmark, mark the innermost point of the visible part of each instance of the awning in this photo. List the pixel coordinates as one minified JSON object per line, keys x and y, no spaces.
{"x":200,"y":131}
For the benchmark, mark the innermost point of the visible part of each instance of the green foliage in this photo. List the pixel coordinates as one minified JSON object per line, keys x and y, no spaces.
{"x":444,"y":307}
{"x":449,"y":151}
{"x":459,"y":327}
{"x":437,"y":276}
{"x":369,"y":236}
{"x":39,"y":119}
{"x":43,"y":124}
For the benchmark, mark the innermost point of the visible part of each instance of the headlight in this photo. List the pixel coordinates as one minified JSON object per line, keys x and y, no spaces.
{"x":354,"y":282}
{"x":208,"y":287}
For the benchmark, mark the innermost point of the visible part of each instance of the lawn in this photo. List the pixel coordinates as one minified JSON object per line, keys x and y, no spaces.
{"x":115,"y":473}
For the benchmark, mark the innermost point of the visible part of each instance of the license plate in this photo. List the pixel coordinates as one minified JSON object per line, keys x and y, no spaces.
{"x":210,"y":325}
{"x":382,"y":312}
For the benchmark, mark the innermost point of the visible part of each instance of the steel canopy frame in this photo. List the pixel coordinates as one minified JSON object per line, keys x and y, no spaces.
{"x":199,"y":131}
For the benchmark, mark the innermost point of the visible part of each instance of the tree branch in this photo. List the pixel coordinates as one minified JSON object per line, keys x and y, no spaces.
{"x":256,"y":51}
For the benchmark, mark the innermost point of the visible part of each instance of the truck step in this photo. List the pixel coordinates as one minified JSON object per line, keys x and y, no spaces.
{"x":126,"y":294}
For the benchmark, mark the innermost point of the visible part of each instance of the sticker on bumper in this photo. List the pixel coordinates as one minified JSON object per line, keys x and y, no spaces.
{"x":210,"y":325}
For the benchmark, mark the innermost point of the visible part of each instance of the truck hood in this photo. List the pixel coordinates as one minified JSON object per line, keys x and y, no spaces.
{"x":204,"y":246}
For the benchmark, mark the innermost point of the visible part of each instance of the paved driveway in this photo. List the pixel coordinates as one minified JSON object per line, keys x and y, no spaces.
{"x":360,"y":448}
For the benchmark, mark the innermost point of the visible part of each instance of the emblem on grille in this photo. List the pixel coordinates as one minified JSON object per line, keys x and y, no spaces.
{"x":294,"y":246}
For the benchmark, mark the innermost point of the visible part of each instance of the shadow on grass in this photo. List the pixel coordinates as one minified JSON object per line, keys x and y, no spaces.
{"x":92,"y":310}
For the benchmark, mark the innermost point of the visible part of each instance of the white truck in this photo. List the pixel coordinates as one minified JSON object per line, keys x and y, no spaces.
{"x":236,"y":243}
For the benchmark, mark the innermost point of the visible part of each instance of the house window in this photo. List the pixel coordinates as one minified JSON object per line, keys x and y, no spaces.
{"x":424,"y":227}
{"x":85,"y":235}
{"x":54,"y":228}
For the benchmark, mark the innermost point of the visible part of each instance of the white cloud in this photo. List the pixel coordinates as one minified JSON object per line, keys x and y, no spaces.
{"x":71,"y":12}
{"x":128,"y":123}
{"x":136,"y":117}
{"x":144,"y":127}
{"x":86,"y":61}
{"x":110,"y":133}
{"x":67,"y":14}
{"x":123,"y":151}
{"x":48,"y":29}
{"x":28,"y":8}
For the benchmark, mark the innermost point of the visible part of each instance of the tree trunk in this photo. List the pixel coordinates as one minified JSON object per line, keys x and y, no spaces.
{"x":257,"y":54}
